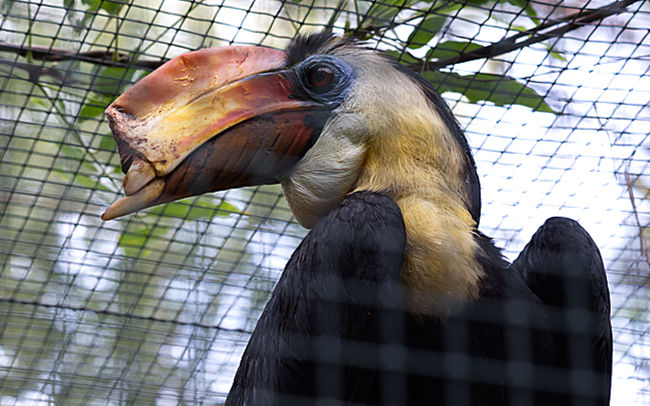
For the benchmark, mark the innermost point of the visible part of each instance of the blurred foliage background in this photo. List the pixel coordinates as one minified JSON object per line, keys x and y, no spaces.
{"x":156,"y":308}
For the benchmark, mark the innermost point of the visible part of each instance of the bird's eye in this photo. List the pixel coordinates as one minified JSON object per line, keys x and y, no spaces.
{"x":325,"y":78}
{"x":320,"y":78}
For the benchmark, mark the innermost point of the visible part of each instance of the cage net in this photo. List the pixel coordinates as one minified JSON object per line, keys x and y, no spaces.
{"x":157,"y":307}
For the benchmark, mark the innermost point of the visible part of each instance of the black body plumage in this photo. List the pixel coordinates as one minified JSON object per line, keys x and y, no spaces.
{"x":337,"y":327}
{"x":340,"y":286}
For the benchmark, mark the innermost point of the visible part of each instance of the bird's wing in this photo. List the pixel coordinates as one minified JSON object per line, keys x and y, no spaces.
{"x":563,"y":267}
{"x":330,"y":304}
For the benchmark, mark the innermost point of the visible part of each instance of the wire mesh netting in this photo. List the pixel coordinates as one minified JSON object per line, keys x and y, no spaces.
{"x":157,"y":308}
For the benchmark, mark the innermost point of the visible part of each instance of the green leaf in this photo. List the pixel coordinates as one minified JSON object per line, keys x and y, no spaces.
{"x":194,"y":211}
{"x":500,"y":90}
{"x":89,"y":111}
{"x":93,"y":5}
{"x":95,"y":106}
{"x":75,"y":153}
{"x":112,"y":80}
{"x":382,"y":13}
{"x":431,"y":25}
{"x":226,"y":209}
{"x":90,"y":182}
{"x":76,"y":156}
{"x":176,"y":209}
{"x":555,"y":54}
{"x":450,"y":49}
{"x":111,"y":7}
{"x":426,"y":30}
{"x":107,"y":143}
{"x":134,"y":242}
{"x":403,"y":57}
{"x":525,"y":5}
{"x":41,"y":102}
{"x":85,"y":181}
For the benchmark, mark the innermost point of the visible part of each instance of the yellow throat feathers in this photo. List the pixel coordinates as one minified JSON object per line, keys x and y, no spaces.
{"x":418,"y":163}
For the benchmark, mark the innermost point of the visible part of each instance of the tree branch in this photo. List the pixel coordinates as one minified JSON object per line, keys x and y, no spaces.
{"x":547,"y":30}
{"x":544,"y":31}
{"x":105,"y":58}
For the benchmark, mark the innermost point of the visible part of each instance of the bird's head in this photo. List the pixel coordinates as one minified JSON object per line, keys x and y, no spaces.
{"x":324,"y":118}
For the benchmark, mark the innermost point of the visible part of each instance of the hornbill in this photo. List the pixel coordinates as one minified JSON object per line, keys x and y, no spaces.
{"x":394,"y":296}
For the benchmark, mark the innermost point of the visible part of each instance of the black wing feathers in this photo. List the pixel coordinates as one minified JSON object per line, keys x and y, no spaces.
{"x":332,"y":292}
{"x":563,"y":267}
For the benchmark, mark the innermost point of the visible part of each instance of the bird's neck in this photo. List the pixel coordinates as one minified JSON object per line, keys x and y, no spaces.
{"x":422,"y":172}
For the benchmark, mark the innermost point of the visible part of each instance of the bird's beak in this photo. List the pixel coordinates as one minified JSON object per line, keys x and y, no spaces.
{"x":209,"y":120}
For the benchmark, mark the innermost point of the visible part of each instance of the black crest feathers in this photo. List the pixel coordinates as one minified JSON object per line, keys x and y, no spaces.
{"x":303,"y":46}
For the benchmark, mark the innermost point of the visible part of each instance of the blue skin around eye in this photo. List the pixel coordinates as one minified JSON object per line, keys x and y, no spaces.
{"x":343,"y":76}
